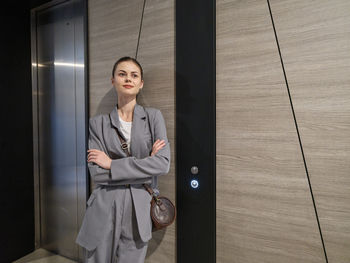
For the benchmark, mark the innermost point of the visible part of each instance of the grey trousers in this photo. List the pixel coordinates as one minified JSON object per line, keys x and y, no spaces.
{"x":122,"y":243}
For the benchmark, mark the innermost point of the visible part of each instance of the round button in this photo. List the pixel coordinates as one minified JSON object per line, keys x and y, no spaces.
{"x":194,"y":170}
{"x":194,"y":184}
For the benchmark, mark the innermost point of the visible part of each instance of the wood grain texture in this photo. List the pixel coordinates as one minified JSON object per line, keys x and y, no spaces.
{"x":113,"y":33}
{"x":264,"y":207}
{"x":156,"y":54}
{"x":314,"y":38}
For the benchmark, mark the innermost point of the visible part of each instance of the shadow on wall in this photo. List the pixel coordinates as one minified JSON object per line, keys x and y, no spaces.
{"x":111,"y":99}
{"x":153,"y":244}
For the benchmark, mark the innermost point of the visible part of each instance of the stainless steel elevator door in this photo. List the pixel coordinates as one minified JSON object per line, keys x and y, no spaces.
{"x":61,"y":126}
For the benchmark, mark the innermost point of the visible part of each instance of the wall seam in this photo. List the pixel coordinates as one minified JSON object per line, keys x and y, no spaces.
{"x":74,"y":20}
{"x":138,"y":39}
{"x":298,"y":133}
{"x":38,"y":129}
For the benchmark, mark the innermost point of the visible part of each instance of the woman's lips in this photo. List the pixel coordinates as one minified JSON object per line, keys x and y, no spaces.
{"x":127,"y":86}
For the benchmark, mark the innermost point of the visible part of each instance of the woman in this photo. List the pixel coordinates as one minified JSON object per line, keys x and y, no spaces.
{"x":117,"y":223}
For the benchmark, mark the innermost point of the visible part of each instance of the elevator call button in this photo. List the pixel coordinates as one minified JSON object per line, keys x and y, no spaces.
{"x":194,"y":184}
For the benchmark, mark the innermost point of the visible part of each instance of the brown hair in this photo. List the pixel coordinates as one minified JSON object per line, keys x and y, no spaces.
{"x":122,"y":59}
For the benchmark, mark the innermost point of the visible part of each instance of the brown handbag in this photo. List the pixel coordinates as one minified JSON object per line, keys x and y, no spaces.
{"x":163,"y":211}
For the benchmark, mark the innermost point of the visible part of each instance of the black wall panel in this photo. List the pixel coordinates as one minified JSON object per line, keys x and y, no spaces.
{"x":16,"y":137}
{"x":195,"y":130}
{"x":16,"y":146}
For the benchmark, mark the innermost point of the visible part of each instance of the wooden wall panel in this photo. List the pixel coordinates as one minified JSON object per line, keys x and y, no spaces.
{"x":113,"y":32}
{"x":264,"y":207}
{"x":156,"y":54}
{"x":314,"y":38}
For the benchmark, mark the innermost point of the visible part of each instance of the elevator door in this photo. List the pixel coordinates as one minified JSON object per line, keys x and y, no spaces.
{"x":61,"y":125}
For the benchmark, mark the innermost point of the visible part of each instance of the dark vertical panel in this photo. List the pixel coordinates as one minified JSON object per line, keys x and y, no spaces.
{"x":195,"y":130}
{"x":16,"y":148}
{"x":36,"y":3}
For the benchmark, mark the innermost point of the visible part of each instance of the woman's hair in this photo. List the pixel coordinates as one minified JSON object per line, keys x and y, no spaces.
{"x":122,"y":59}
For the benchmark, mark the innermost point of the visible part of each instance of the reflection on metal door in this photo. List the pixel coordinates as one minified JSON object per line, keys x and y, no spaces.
{"x":60,"y":117}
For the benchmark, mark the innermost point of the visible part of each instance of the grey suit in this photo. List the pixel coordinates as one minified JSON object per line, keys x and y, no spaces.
{"x":147,"y":126}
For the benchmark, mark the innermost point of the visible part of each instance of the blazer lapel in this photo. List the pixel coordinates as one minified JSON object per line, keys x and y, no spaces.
{"x":115,"y":121}
{"x":137,"y":131}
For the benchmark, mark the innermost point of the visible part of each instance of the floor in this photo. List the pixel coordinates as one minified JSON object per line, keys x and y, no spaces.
{"x":43,"y":256}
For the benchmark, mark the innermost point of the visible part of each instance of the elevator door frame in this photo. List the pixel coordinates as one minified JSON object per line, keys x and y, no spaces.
{"x":81,"y":57}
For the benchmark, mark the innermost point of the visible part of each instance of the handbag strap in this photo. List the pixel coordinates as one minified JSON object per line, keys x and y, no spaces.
{"x":123,"y":144}
{"x":126,"y":150}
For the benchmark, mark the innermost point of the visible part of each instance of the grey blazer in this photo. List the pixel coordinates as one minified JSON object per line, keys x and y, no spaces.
{"x":147,"y":126}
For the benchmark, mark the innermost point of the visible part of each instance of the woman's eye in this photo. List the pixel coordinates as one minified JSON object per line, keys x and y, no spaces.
{"x":121,"y":74}
{"x":134,"y":76}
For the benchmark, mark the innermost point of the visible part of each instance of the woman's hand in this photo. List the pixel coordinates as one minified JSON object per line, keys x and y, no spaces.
{"x":158,"y":144}
{"x":100,"y":158}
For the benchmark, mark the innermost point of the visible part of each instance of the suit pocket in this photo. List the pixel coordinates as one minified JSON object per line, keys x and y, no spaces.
{"x":92,"y":197}
{"x":91,"y":200}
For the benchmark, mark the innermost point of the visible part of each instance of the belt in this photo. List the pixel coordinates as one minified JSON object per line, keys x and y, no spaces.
{"x":116,"y":185}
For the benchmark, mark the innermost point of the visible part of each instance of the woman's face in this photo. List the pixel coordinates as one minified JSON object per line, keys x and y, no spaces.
{"x":127,"y":79}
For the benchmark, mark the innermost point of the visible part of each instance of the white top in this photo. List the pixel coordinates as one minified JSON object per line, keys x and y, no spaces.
{"x":125,"y":127}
